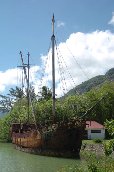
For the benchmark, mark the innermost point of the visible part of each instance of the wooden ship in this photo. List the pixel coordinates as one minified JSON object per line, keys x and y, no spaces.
{"x":62,"y":139}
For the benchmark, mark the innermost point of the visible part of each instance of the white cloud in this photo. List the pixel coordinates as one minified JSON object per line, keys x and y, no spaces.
{"x":13,"y":77}
{"x":82,"y":56}
{"x":60,"y":24}
{"x":112,"y":19}
{"x":8,"y":78}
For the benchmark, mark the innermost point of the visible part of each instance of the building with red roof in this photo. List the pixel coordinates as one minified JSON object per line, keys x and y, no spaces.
{"x":94,"y":130}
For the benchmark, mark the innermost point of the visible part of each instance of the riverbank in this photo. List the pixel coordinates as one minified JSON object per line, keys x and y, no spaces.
{"x":49,"y":153}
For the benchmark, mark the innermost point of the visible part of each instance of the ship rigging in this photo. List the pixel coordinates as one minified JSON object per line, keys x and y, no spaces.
{"x":57,"y":138}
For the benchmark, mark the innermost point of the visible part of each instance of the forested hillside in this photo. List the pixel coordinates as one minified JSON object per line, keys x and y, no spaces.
{"x":92,"y":83}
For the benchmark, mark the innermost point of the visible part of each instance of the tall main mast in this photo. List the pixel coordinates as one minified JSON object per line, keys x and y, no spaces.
{"x":28,"y":90}
{"x":53,"y":69}
{"x":24,"y":66}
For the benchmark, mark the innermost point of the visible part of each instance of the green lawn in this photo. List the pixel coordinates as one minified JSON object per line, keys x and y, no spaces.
{"x":88,"y":142}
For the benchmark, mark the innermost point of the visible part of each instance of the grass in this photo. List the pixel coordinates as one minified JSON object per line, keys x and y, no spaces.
{"x":93,"y":141}
{"x":88,"y":142}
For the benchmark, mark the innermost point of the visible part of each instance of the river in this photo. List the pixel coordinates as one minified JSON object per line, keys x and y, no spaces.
{"x":12,"y":160}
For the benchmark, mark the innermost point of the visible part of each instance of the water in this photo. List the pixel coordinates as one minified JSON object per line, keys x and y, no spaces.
{"x":12,"y":160}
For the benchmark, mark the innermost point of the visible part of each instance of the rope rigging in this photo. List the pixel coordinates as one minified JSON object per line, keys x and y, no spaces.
{"x":77,"y":62}
{"x":62,"y":63}
{"x":24,"y":66}
{"x":61,"y":71}
{"x":64,"y":72}
{"x":44,"y":68}
{"x":74,"y":58}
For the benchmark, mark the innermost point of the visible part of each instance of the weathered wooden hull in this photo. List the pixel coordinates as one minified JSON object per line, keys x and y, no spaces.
{"x":65,"y":137}
{"x":29,"y":140}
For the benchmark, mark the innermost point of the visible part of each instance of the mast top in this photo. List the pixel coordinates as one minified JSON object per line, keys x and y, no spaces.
{"x":53,"y":21}
{"x":28,"y":54}
{"x":20,"y":53}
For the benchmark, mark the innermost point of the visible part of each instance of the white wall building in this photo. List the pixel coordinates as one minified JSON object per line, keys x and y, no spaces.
{"x":95,"y":130}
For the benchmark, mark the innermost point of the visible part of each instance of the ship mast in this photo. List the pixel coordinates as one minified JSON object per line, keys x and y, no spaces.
{"x":28,"y":91}
{"x":24,"y":66}
{"x":53,"y":69}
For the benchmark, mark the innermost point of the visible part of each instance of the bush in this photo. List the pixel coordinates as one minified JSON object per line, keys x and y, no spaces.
{"x":83,"y":146}
{"x":111,"y":143}
{"x":75,"y":168}
{"x":107,"y":149}
{"x":98,"y":141}
{"x":92,"y":167}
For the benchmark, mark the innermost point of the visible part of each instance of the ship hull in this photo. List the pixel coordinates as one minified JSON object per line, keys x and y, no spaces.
{"x":30,"y":139}
{"x":62,"y":140}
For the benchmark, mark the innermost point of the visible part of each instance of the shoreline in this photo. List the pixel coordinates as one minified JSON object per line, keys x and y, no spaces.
{"x":49,"y":153}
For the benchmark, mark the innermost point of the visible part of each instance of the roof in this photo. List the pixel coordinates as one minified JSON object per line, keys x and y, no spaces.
{"x":93,"y":125}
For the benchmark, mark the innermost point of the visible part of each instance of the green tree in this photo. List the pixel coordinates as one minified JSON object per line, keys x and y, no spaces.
{"x":32,"y":93}
{"x":46,"y":93}
{"x":5,"y":103}
{"x":5,"y":132}
{"x":16,"y":93}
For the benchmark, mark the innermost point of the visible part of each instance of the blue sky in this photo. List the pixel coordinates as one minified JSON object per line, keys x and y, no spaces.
{"x":26,"y":25}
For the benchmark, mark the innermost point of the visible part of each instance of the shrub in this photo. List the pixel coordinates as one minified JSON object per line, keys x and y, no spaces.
{"x":92,"y":167}
{"x":75,"y":168}
{"x":98,"y":141}
{"x":107,"y":149}
{"x":111,"y":143}
{"x":83,"y":146}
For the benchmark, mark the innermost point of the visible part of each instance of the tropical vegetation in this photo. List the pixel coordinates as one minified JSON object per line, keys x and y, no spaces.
{"x":97,"y":104}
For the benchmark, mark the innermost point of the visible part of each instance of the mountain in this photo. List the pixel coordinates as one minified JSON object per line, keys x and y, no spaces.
{"x":92,"y":83}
